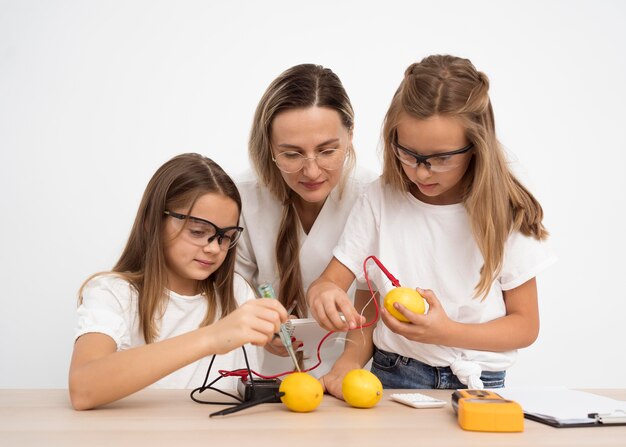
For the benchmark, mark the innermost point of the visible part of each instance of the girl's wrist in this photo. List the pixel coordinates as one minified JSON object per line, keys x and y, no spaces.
{"x":209,"y":342}
{"x":451,"y":334}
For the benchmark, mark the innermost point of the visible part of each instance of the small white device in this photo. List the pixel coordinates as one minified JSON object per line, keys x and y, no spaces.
{"x":418,"y":400}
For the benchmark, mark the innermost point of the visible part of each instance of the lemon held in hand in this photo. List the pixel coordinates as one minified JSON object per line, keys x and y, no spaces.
{"x":409,"y":298}
{"x":303,"y":392}
{"x":361,"y":388}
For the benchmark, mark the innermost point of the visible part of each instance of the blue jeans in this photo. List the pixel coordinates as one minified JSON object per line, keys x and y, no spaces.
{"x":397,"y":372}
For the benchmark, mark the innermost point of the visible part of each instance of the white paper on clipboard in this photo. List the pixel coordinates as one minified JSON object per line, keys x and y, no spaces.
{"x":311,"y":333}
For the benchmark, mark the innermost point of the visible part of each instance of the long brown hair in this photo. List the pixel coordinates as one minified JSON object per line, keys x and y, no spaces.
{"x":176,"y":184}
{"x":299,"y":87}
{"x":496,"y":202}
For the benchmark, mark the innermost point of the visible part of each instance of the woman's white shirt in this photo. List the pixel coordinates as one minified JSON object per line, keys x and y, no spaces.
{"x":432,"y":247}
{"x":110,"y":307}
{"x":256,"y":252}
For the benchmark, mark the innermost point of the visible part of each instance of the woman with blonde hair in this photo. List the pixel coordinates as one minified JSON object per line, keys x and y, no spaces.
{"x":448,"y":216}
{"x":298,"y":198}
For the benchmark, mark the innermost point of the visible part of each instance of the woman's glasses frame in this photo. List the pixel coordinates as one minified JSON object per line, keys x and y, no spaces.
{"x":299,"y":160}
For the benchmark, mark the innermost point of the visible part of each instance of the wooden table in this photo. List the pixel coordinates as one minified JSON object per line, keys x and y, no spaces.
{"x":169,"y":417}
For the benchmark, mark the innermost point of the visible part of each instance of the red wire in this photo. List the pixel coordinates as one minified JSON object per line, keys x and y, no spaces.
{"x":380,"y":265}
{"x":243,"y":373}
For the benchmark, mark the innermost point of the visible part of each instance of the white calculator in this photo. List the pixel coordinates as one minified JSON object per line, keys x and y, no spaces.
{"x":418,"y":400}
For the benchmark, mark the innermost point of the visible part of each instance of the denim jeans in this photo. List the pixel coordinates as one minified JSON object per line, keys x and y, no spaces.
{"x":396,"y":371}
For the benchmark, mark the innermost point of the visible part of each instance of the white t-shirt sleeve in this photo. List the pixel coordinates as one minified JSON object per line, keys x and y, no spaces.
{"x":246,"y":263}
{"x":107,"y":308}
{"x":359,"y":239}
{"x":243,"y":291}
{"x":524,"y":258}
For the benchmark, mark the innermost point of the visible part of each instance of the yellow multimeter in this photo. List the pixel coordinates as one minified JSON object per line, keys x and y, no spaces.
{"x":482,"y":410}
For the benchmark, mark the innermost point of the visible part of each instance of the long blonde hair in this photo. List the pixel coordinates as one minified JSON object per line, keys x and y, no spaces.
{"x":496,"y":202}
{"x":299,"y":87}
{"x":176,"y":184}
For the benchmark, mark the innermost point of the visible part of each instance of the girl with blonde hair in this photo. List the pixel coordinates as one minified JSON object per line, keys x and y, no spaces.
{"x":173,"y":299}
{"x":300,"y":193}
{"x":448,"y":216}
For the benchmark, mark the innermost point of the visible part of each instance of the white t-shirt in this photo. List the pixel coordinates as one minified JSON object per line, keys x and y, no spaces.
{"x":432,"y":247}
{"x":256,"y":252}
{"x":110,"y":307}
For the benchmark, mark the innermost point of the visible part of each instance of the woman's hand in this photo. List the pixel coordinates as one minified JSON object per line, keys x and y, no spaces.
{"x":424,"y":328}
{"x":276,"y":347}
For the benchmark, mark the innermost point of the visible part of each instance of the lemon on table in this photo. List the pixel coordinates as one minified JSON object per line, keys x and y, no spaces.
{"x":409,"y":298}
{"x":361,"y":388}
{"x":303,"y":392}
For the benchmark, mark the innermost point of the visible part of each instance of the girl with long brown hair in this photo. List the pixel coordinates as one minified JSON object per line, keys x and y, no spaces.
{"x":449,"y":216}
{"x":298,"y":198}
{"x":172,"y":299}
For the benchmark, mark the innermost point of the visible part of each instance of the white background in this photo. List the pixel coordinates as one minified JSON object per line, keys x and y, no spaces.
{"x":94,"y":96}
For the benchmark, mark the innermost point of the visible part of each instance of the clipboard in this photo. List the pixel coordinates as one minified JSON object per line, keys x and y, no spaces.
{"x":310,"y":333}
{"x":595,"y":420}
{"x":564,"y":408}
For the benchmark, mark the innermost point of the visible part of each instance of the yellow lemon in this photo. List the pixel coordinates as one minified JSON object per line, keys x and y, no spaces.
{"x":361,"y":388}
{"x":303,"y":392}
{"x":409,"y":298}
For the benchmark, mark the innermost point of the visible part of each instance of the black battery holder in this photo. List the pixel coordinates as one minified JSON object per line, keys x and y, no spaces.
{"x":262,"y":388}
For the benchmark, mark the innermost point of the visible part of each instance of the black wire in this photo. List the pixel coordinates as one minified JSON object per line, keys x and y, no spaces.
{"x":245,"y":357}
{"x":248,"y":404}
{"x":210,"y":386}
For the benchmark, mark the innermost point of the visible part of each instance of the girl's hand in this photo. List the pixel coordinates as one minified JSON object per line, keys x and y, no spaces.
{"x":254,"y":322}
{"x":331,"y":382}
{"x":327,"y":302}
{"x":327,"y":297}
{"x":429,"y":328}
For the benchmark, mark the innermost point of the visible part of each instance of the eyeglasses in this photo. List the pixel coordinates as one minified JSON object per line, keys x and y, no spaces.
{"x":292,"y":161}
{"x":443,"y":162}
{"x":201,"y":232}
